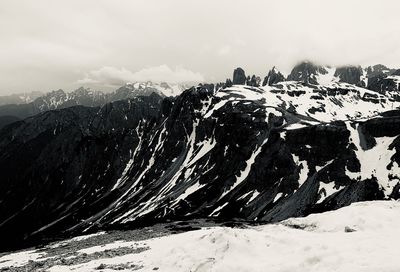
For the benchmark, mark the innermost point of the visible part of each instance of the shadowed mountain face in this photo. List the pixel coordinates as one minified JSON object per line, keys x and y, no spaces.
{"x":7,"y":119}
{"x":258,"y":154}
{"x":350,"y":74}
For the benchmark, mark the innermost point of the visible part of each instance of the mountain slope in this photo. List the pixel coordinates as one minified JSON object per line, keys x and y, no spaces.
{"x":260,"y":154}
{"x":354,"y":238}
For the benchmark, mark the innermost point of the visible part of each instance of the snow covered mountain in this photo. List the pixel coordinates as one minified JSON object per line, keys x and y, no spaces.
{"x":146,"y":88}
{"x":244,"y":152}
{"x":376,"y":78}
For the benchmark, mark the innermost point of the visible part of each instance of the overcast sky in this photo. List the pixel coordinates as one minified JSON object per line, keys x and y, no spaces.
{"x":51,"y":44}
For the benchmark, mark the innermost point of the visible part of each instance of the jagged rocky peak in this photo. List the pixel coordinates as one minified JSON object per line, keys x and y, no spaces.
{"x":239,"y":76}
{"x":51,"y":100}
{"x":350,"y":74}
{"x":253,"y":81}
{"x":147,"y":88}
{"x":130,"y":90}
{"x":53,"y":95}
{"x":83,"y":91}
{"x":59,"y":92}
{"x":209,"y":86}
{"x":307,"y":72}
{"x":228,"y":83}
{"x":274,"y":76}
{"x":378,"y":70}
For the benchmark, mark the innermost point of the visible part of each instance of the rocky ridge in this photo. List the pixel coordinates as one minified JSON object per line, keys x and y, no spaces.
{"x":260,"y":154}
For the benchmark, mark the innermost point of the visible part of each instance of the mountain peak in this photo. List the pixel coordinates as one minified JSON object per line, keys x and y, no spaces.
{"x":307,"y":72}
{"x":273,"y":77}
{"x":239,"y":76}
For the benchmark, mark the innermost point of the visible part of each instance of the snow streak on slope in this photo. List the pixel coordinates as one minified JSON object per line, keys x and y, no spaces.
{"x":374,"y":162}
{"x":244,"y":173}
{"x":300,"y":106}
{"x":361,"y":237}
{"x":128,"y":166}
{"x":303,"y":172}
{"x":174,"y":187}
{"x":328,"y":78}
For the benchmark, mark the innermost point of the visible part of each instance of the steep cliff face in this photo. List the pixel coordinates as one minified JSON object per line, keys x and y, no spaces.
{"x":239,"y":77}
{"x":351,"y":74}
{"x":260,"y":154}
{"x":307,"y":72}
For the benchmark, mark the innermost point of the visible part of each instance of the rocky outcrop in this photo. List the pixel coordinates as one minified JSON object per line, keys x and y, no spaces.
{"x":350,"y":74}
{"x":383,"y":84}
{"x":239,"y":77}
{"x":378,"y":70}
{"x":253,"y":81}
{"x":396,"y":73}
{"x":273,"y":77}
{"x":306,"y":72}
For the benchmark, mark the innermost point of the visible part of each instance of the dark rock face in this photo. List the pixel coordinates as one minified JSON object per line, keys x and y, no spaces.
{"x":228,"y":83}
{"x":71,"y":147}
{"x":306,"y":72}
{"x":382,"y":84}
{"x":396,"y":73}
{"x":378,"y":70}
{"x":380,"y":79}
{"x":149,"y":159}
{"x":254,"y":81}
{"x":239,"y":77}
{"x":273,"y":77}
{"x":350,"y":74}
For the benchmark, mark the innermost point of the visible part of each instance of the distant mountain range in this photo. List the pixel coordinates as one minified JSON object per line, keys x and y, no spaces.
{"x":316,"y":140}
{"x":20,"y":98}
{"x":16,"y":107}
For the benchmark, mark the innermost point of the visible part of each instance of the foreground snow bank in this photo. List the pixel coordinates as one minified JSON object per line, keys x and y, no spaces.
{"x":362,"y":237}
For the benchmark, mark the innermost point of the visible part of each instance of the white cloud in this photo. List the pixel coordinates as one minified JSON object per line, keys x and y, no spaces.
{"x":40,"y":43}
{"x":225,"y":50}
{"x":112,"y":76}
